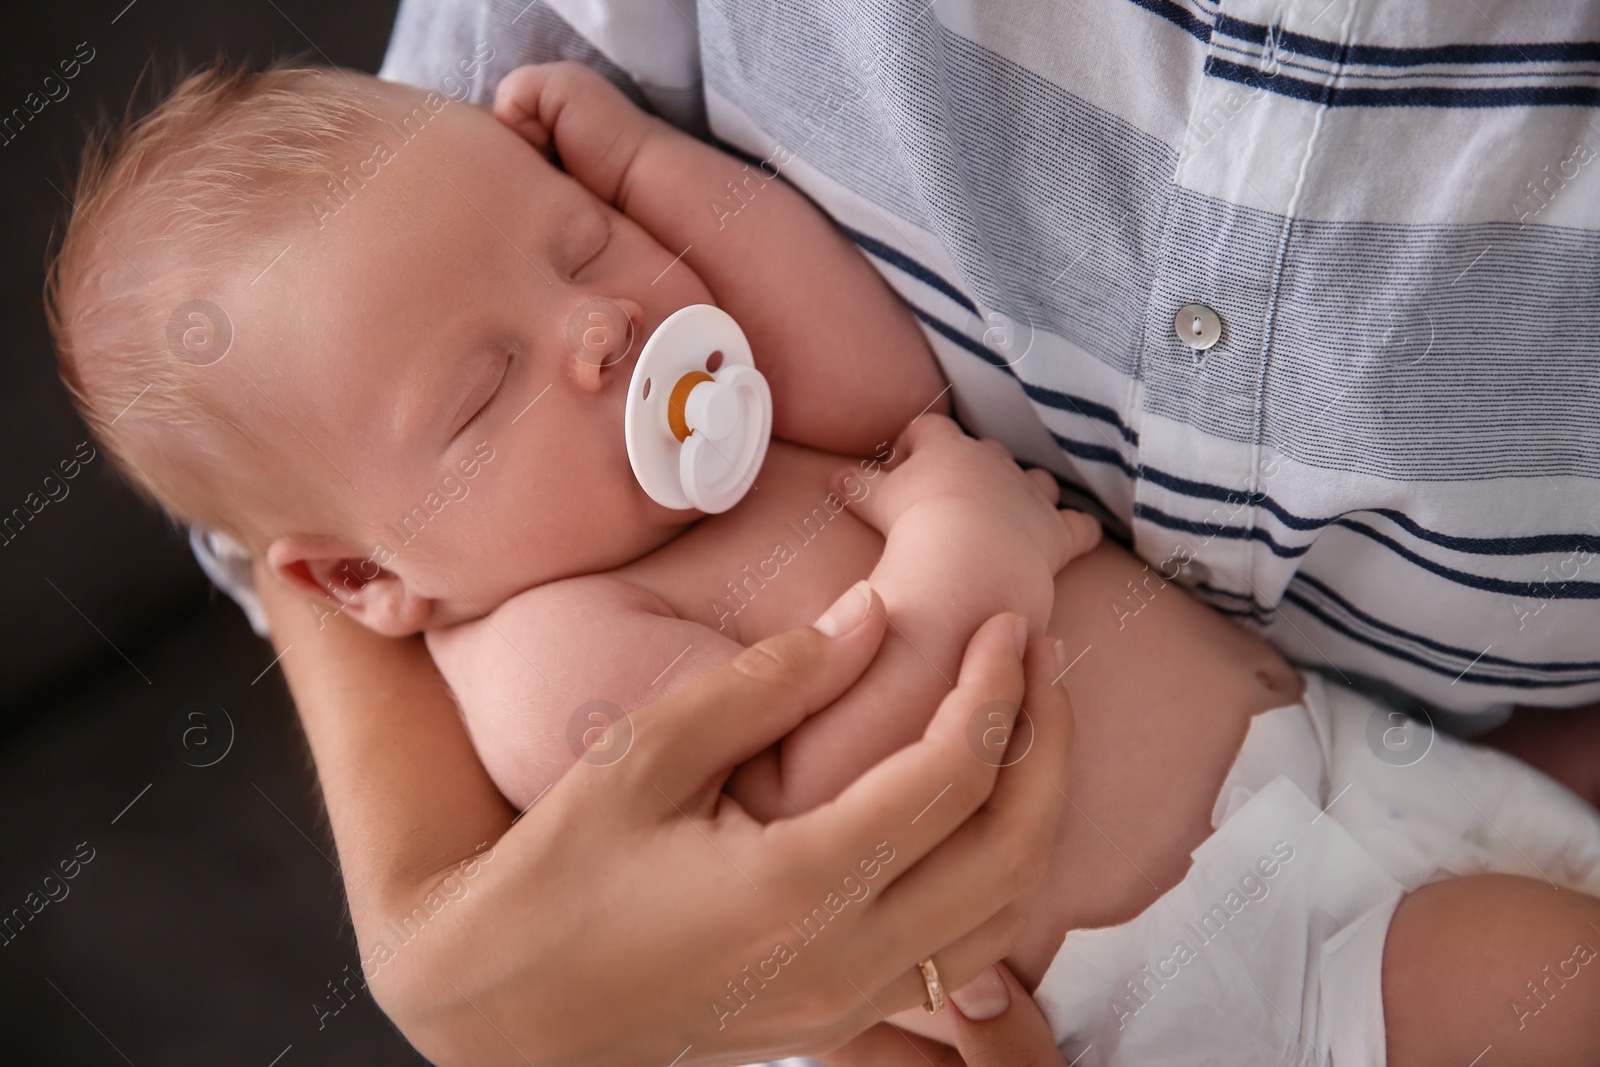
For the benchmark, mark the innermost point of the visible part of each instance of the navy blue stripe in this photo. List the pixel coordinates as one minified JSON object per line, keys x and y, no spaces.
{"x":1251,"y":610}
{"x":1478,"y":546}
{"x":1463,"y":655}
{"x":1227,"y":533}
{"x":1414,"y":96}
{"x":1566,"y":590}
{"x":1498,"y":76}
{"x":1488,"y":546}
{"x":1230,"y":594}
{"x":1374,"y":55}
{"x":956,"y":337}
{"x":1180,"y":17}
{"x":1264,"y":615}
{"x":1208,"y":491}
{"x":1089,"y":409}
{"x":1494,"y":546}
{"x":905,"y":263}
{"x":1096,"y":454}
{"x":1409,"y":657}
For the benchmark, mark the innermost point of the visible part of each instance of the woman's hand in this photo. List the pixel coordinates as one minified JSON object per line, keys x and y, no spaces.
{"x":997,"y":1024}
{"x":635,"y":913}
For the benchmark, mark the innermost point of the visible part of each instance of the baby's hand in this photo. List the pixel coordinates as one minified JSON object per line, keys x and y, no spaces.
{"x":940,"y":466}
{"x":575,"y":114}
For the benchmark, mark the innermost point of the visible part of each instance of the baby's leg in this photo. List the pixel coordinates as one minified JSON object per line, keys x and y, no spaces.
{"x":1493,"y":969}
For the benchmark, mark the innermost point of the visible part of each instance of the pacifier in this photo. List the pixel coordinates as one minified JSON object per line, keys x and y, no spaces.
{"x":699,"y":414}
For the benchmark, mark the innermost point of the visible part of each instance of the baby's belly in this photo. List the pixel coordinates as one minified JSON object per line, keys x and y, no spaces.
{"x":1162,"y":697}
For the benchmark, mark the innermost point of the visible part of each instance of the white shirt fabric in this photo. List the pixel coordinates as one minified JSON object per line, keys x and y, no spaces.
{"x":1390,"y":461}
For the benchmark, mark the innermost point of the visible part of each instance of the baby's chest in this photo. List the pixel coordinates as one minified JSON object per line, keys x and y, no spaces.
{"x":775,"y":561}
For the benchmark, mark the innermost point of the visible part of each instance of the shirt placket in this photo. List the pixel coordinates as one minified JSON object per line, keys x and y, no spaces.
{"x":1209,"y":323}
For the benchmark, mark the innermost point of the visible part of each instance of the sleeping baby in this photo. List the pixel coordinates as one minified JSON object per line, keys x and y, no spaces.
{"x":384,"y":341}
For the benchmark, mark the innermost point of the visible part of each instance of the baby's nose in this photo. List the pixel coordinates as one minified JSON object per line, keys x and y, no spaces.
{"x":602,"y":331}
{"x":635,"y":316}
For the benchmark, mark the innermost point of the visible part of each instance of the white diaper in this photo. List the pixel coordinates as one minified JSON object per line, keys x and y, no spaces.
{"x":1270,"y":950}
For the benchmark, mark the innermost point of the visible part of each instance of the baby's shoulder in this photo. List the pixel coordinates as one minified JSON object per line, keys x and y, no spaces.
{"x":580,"y":601}
{"x":543,"y":628}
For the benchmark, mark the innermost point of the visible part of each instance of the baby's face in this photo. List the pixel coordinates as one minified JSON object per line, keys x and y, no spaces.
{"x":428,"y":351}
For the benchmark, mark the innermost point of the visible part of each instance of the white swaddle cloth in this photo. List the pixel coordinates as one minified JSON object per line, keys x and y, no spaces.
{"x":1270,"y":951}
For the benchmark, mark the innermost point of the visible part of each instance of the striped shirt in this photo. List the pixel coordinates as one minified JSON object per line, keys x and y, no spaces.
{"x":1386,"y":212}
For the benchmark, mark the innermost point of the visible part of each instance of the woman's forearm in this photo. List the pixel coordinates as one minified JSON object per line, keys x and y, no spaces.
{"x":406,"y":795}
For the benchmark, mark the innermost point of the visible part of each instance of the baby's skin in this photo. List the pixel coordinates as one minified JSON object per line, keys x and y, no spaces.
{"x":488,"y":501}
{"x":955,"y":533}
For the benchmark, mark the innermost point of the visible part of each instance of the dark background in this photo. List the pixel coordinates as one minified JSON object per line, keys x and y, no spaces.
{"x":210,"y":920}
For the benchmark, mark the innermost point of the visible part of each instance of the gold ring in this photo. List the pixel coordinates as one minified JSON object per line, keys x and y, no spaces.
{"x":930,"y":978}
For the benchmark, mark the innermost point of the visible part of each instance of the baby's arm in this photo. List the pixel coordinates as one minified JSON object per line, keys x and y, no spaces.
{"x":847,"y":363}
{"x":969,"y":535}
{"x":523,"y":674}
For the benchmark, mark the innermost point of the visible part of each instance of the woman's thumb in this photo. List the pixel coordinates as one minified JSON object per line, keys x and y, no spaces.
{"x":997,"y":1024}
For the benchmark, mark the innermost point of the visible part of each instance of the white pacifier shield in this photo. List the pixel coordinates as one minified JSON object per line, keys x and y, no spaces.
{"x":729,"y":418}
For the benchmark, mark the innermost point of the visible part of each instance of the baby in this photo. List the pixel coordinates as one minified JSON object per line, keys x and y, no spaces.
{"x":384,"y":340}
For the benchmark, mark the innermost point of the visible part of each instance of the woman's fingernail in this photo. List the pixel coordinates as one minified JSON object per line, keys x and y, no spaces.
{"x":1061,"y":657}
{"x":846,"y":613}
{"x":1019,"y":635}
{"x":984,"y":997}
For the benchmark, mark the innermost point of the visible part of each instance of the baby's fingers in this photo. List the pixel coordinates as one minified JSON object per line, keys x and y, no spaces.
{"x":924,"y":430}
{"x":1082,"y":529}
{"x":516,"y":104}
{"x":1077,"y":535}
{"x":1045,"y":483}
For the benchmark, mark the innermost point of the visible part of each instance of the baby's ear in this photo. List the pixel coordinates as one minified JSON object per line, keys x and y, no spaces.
{"x":377,"y":598}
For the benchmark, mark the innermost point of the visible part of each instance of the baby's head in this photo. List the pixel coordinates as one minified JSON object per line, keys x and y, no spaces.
{"x":354,"y":326}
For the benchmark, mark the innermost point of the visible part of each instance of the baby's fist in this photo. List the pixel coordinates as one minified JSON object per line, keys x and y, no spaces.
{"x":517,"y":105}
{"x":576,"y":117}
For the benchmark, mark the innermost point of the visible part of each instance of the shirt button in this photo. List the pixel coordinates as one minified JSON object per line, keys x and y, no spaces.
{"x":1197,"y":326}
{"x":1192,"y":573}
